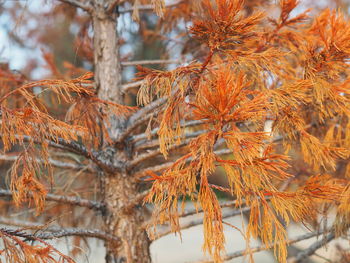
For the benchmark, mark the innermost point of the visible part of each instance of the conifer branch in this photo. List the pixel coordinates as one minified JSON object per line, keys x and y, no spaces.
{"x":135,"y":201}
{"x":140,"y":117}
{"x":53,"y":162}
{"x":300,"y":257}
{"x":256,"y":249}
{"x":80,"y":149}
{"x":161,"y":167}
{"x":187,"y":124}
{"x":64,"y":199}
{"x":155,"y":143}
{"x":146,"y":7}
{"x":131,"y":85}
{"x":62,"y":233}
{"x":80,"y":4}
{"x":154,"y":153}
{"x":150,"y":62}
{"x":199,"y":221}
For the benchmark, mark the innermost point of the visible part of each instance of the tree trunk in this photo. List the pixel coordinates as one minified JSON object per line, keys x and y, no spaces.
{"x":119,"y":189}
{"x":125,"y":223}
{"x":106,"y":55}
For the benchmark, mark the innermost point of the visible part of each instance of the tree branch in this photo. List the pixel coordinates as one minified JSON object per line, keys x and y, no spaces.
{"x":63,"y":233}
{"x":199,"y":221}
{"x":313,"y":248}
{"x":72,"y":200}
{"x":135,"y":201}
{"x":53,"y":162}
{"x":256,"y":249}
{"x":150,"y":62}
{"x":187,"y":124}
{"x":145,"y":7}
{"x":167,"y":165}
{"x":80,"y":4}
{"x":80,"y":149}
{"x":127,"y":86}
{"x":144,"y":145}
{"x":143,"y":157}
{"x":140,"y":117}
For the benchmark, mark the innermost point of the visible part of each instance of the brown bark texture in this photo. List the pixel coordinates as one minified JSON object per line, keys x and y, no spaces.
{"x":119,"y":188}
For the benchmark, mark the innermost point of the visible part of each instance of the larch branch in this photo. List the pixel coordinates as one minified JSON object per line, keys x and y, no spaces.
{"x":146,"y":7}
{"x":72,"y":200}
{"x":80,"y":4}
{"x":127,"y":86}
{"x":79,"y":232}
{"x":313,"y":248}
{"x":150,"y":62}
{"x":144,"y":145}
{"x":199,"y":221}
{"x":62,"y":233}
{"x":187,"y":124}
{"x":161,"y":167}
{"x":256,"y":249}
{"x":146,"y":156}
{"x":51,"y":161}
{"x":140,"y":117}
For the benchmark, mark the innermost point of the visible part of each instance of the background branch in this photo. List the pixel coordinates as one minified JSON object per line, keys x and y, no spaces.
{"x":72,"y":200}
{"x":303,"y":255}
{"x":80,"y":4}
{"x":256,"y":249}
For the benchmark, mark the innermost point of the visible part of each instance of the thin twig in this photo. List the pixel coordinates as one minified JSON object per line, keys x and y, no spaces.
{"x":51,"y":161}
{"x":167,"y":165}
{"x":154,"y":143}
{"x":72,"y":200}
{"x":256,"y":249}
{"x":135,"y":201}
{"x":199,"y":221}
{"x":146,"y":156}
{"x":127,"y":86}
{"x":150,"y":62}
{"x":187,"y":124}
{"x":77,"y":148}
{"x":80,"y":4}
{"x":63,"y":233}
{"x":145,"y":7}
{"x":313,"y":248}
{"x":140,"y":117}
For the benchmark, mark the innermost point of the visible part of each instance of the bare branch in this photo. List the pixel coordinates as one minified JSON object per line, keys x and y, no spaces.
{"x":256,"y":249}
{"x":150,"y":62}
{"x":72,"y":200}
{"x":145,"y":7}
{"x":52,"y":162}
{"x":140,"y":117}
{"x":79,"y":4}
{"x":146,"y":156}
{"x":154,"y":143}
{"x":79,"y":232}
{"x":63,"y":233}
{"x":27,"y":224}
{"x":135,"y":201}
{"x":187,"y":124}
{"x":312,"y":249}
{"x":199,"y":221}
{"x":167,"y":165}
{"x":127,"y":86}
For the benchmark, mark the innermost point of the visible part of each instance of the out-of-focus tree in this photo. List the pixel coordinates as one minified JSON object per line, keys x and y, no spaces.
{"x":264,"y":99}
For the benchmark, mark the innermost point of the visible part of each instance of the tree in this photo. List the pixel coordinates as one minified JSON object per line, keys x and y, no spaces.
{"x":265,"y":102}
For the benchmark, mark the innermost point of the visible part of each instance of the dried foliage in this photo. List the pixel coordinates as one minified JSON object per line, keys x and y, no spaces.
{"x":292,"y":73}
{"x":265,"y":101}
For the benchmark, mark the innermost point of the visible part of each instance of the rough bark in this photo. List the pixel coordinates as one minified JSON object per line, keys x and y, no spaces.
{"x":106,"y":54}
{"x":126,"y":224}
{"x":118,"y":188}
